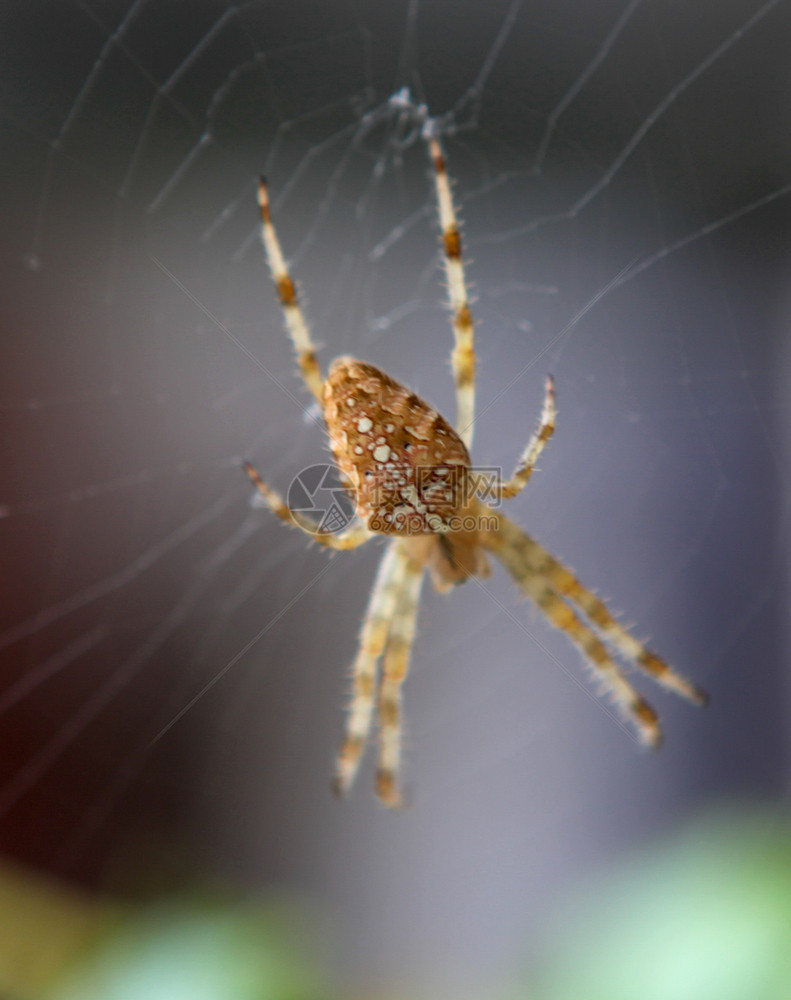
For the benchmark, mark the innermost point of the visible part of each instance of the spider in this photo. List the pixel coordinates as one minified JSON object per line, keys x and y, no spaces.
{"x":410,"y":475}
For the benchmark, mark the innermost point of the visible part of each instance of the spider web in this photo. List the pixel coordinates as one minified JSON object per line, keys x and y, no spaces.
{"x":173,"y":659}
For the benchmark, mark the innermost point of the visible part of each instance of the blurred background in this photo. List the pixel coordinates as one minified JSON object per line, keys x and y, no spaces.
{"x":174,"y":662}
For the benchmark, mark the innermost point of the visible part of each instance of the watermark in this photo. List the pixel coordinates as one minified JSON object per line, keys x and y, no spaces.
{"x":319,"y":494}
{"x":437,"y":495}
{"x":414,"y":524}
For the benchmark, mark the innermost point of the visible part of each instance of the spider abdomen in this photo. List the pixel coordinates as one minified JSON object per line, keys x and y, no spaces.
{"x":408,"y":467}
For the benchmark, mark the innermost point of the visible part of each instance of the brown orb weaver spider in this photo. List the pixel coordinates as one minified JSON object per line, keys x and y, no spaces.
{"x":411,"y":478}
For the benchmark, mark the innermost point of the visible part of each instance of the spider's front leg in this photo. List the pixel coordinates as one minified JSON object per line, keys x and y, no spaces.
{"x":352,"y":538}
{"x":463,"y":356}
{"x":287,"y":293}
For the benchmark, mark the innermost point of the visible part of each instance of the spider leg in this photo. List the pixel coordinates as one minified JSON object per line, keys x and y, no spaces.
{"x":564,"y":583}
{"x":394,"y":671}
{"x":287,"y":293}
{"x":514,"y":549}
{"x":376,"y":626}
{"x":353,"y":537}
{"x":536,"y":444}
{"x":463,"y":355}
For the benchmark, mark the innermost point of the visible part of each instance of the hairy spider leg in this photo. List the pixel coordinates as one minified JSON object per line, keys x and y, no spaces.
{"x":373,"y":636}
{"x":514,"y":548}
{"x":536,"y":444}
{"x":463,"y":354}
{"x":287,"y":293}
{"x":567,"y":586}
{"x":394,"y":672}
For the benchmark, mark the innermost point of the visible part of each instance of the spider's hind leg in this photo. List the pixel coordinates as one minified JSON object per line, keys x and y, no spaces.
{"x":516,"y":551}
{"x":565,"y":583}
{"x":394,"y":672}
{"x":374,"y":634}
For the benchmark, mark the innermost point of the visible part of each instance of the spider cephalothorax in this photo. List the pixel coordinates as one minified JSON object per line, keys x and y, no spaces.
{"x":412,"y":480}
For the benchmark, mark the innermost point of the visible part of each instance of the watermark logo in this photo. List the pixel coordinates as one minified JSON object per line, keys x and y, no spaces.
{"x":318,"y":493}
{"x":320,"y":502}
{"x":483,"y":483}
